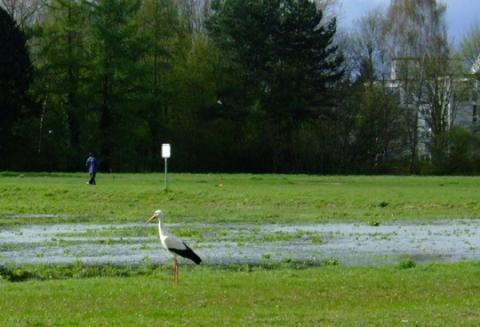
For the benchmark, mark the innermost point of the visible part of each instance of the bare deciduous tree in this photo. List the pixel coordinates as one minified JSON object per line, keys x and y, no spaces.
{"x":471,"y":48}
{"x":367,"y":47}
{"x":25,"y":12}
{"x":417,"y":38}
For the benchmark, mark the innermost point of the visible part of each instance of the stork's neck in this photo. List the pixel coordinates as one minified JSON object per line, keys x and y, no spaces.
{"x":162,"y":230}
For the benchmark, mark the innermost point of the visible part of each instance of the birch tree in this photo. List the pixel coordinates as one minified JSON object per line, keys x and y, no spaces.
{"x":417,"y":36}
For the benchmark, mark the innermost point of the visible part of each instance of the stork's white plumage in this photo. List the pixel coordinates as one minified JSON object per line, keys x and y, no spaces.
{"x":173,"y":244}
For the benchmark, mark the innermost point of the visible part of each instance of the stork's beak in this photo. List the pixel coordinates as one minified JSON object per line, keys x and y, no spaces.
{"x":151,"y":218}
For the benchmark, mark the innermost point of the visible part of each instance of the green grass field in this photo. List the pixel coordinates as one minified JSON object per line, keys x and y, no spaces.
{"x":433,"y":295}
{"x":237,"y":198}
{"x":283,"y":295}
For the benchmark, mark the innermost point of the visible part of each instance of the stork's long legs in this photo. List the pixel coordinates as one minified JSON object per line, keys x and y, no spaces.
{"x":177,"y":273}
{"x":175,"y":270}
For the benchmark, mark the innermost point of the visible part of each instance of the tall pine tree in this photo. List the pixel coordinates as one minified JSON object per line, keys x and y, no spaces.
{"x":288,"y":59}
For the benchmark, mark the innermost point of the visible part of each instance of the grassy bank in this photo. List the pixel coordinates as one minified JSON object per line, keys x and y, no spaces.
{"x":335,"y":296}
{"x":236,"y":198}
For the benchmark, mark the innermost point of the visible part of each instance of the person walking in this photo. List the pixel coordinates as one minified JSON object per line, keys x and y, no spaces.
{"x":91,"y":165}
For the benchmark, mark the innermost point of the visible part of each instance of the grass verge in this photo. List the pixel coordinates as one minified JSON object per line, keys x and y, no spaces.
{"x":47,"y":198}
{"x":428,"y":295}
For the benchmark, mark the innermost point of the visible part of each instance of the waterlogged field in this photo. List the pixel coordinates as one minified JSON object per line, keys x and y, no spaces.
{"x":241,"y":198}
{"x":278,"y":250}
{"x":257,"y":244}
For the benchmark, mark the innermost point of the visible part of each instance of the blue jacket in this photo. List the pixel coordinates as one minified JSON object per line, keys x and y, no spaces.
{"x":91,"y":164}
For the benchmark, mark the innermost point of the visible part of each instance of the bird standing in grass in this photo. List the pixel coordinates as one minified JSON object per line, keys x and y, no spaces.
{"x":174,"y":245}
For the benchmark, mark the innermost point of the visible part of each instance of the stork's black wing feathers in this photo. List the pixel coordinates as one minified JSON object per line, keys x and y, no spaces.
{"x":187,"y":253}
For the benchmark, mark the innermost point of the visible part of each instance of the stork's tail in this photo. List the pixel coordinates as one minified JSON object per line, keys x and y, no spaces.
{"x":188,"y":253}
{"x":194,"y":257}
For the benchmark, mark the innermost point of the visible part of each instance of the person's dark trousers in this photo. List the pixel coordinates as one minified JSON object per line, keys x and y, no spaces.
{"x":92,"y":179}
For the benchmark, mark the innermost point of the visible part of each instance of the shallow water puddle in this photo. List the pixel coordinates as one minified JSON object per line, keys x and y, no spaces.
{"x":32,"y":216}
{"x":349,"y":244}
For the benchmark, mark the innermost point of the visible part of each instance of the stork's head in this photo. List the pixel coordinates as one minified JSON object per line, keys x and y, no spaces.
{"x":158,"y":214}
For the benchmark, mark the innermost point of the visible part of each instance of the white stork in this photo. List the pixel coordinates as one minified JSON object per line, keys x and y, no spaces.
{"x":173,"y":244}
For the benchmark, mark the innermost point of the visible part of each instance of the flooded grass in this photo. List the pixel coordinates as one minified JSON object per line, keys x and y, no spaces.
{"x":226,"y":244}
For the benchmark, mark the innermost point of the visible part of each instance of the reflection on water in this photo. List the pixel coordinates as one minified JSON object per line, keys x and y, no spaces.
{"x":349,"y":244}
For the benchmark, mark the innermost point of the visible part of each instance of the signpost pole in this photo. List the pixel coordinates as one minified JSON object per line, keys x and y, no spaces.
{"x":166,"y":176}
{"x":166,"y":155}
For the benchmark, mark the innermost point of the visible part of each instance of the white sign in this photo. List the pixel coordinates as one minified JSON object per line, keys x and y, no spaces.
{"x":166,"y":150}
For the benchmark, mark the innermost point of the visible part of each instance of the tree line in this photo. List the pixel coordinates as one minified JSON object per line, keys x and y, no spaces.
{"x":232,"y":85}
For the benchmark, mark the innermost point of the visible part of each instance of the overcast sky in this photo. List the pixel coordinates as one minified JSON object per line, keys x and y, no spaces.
{"x":461,"y":14}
